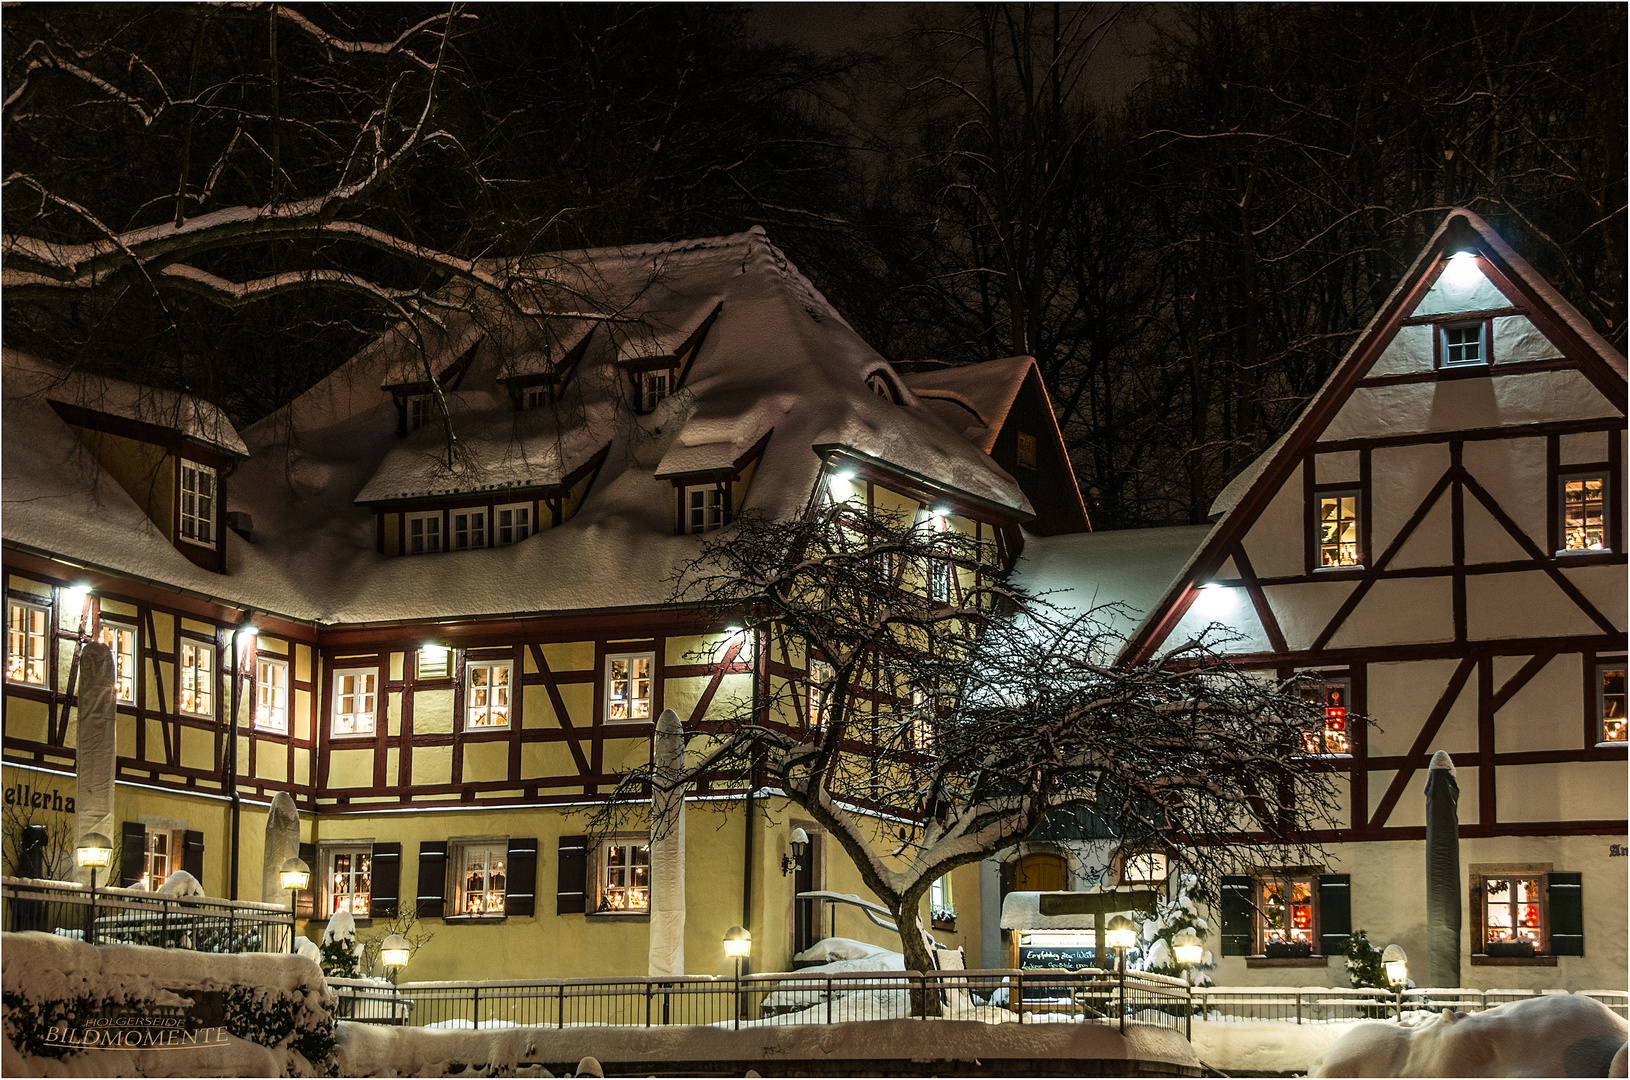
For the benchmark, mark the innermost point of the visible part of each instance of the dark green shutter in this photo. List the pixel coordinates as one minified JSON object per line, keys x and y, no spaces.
{"x":385,"y":886}
{"x":1567,"y":902}
{"x":572,"y":874}
{"x":1335,"y":912}
{"x":520,"y":893}
{"x":305,"y":900}
{"x":133,"y":854}
{"x":432,"y":898}
{"x":1236,"y":915}
{"x":193,"y":861}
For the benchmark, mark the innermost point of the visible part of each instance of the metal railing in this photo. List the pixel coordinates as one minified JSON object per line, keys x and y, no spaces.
{"x":136,"y":917}
{"x":775,"y":1000}
{"x":1317,"y":1004}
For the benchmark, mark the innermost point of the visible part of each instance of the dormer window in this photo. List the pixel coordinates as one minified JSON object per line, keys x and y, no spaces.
{"x":534,"y":397}
{"x":197,"y":503}
{"x":1463,"y":344}
{"x":654,"y":387}
{"x":704,"y":508}
{"x":879,"y":384}
{"x":418,"y":411}
{"x":423,"y":533}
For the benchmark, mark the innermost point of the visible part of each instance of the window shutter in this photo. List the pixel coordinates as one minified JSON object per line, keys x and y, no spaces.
{"x":133,"y":854}
{"x":305,"y":900}
{"x":386,"y":882}
{"x":572,"y":876}
{"x":1567,"y":902}
{"x":432,"y":898}
{"x":193,"y":861}
{"x":1236,"y":915}
{"x":521,"y":887}
{"x":31,"y":864}
{"x":1335,"y":912}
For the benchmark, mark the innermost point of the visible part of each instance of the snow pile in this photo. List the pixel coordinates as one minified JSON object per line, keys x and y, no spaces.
{"x":829,"y":949}
{"x":849,"y":956}
{"x":181,"y":883}
{"x":378,"y":1050}
{"x":341,"y":951}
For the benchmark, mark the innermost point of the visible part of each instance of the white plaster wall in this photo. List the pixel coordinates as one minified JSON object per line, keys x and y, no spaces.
{"x":1575,"y":791}
{"x":1522,"y":605}
{"x":1464,"y":404}
{"x":1603,"y":586}
{"x":1274,"y":541}
{"x":1400,"y":477}
{"x":1409,"y":352}
{"x":1232,"y":608}
{"x":1304,"y":609}
{"x":1336,"y":468}
{"x":1399,"y":695}
{"x":1389,"y":902}
{"x":1513,"y":472}
{"x":1432,"y":542}
{"x":1517,"y":339}
{"x":1458,"y":290}
{"x":1399,"y":612}
{"x":1586,"y":448}
{"x":1546,"y":714}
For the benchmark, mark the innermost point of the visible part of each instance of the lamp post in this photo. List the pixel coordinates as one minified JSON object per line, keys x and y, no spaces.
{"x":94,"y":852}
{"x":1121,"y":935}
{"x":1190,"y":952}
{"x":1397,"y":965}
{"x":393,"y":953}
{"x":293,"y":875}
{"x":737,"y":944}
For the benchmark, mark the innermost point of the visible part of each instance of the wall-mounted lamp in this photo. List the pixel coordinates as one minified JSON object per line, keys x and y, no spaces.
{"x":75,"y":599}
{"x":799,"y":842}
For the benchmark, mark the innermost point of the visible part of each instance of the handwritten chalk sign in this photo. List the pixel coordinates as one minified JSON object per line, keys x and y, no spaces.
{"x":1055,"y":957}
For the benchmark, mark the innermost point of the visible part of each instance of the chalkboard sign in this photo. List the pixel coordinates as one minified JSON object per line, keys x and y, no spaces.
{"x":1055,"y":957}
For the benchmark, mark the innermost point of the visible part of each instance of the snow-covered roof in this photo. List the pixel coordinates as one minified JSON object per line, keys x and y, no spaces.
{"x":1022,"y":910}
{"x":977,"y":396}
{"x":777,"y":360}
{"x":1079,"y":572}
{"x":1237,"y":487}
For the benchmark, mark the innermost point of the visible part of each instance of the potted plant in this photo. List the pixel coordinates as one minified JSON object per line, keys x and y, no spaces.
{"x":944,"y":919}
{"x":1289,"y":950}
{"x":1515,"y":947}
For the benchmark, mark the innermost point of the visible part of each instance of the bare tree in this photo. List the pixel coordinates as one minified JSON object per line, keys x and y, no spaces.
{"x":946,"y":711}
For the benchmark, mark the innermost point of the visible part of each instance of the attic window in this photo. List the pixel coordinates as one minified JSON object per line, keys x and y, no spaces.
{"x":704,"y":508}
{"x":879,"y":384}
{"x":1463,"y":344}
{"x":654,"y":387}
{"x":1027,"y":450}
{"x":197,"y":502}
{"x":418,"y":411}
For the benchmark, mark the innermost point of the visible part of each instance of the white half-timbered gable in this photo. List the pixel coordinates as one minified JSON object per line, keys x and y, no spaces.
{"x":1440,"y":540}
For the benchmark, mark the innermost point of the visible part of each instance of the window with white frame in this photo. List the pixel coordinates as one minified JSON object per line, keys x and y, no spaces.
{"x":486,"y":701}
{"x":513,"y":523}
{"x":469,"y":529}
{"x":1338,"y":531}
{"x":482,"y":877}
{"x":1141,"y":867}
{"x":625,"y":876}
{"x":25,"y":642}
{"x":347,"y":879}
{"x":1463,"y":345}
{"x":1610,"y":700}
{"x":1328,"y":694}
{"x":704,"y":508}
{"x":161,"y":857}
{"x":197,"y":678}
{"x":821,"y":678}
{"x":939,"y":899}
{"x":356,"y":693}
{"x":1584,"y":512}
{"x":628,"y":686}
{"x":271,"y":694}
{"x":654,"y":387}
{"x":423,"y":532}
{"x":197,"y":502}
{"x":121,"y":641}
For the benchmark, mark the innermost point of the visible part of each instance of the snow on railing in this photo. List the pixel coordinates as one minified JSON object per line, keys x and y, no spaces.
{"x":114,"y":915}
{"x":1319,"y":1004}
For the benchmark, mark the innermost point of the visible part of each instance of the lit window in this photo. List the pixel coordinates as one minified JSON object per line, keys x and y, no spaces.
{"x":469,"y":529}
{"x":625,"y":878}
{"x":1584,"y":512}
{"x":160,"y":859}
{"x":423,"y":533}
{"x":348,"y":880}
{"x":197,"y":678}
{"x":482,"y":878}
{"x":25,"y":642}
{"x":1610,"y":701}
{"x":272,"y":694}
{"x":514,"y":523}
{"x":1142,"y":867}
{"x":355,"y":697}
{"x":628,"y":687}
{"x":704,"y":508}
{"x":923,"y":716}
{"x":1331,"y":696}
{"x":939,"y":899}
{"x":1463,"y":345}
{"x":121,"y":641}
{"x":418,"y":411}
{"x":654,"y":387}
{"x":1513,"y":915}
{"x":197,"y":502}
{"x":1027,"y":450}
{"x":821,"y":676}
{"x":1286,"y":912}
{"x":1338,"y":529}
{"x":487,"y":704}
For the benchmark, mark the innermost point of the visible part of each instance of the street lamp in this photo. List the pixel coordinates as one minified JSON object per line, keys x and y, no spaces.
{"x":799,"y":842}
{"x":94,"y":851}
{"x":1188,"y":948}
{"x":737,"y":944}
{"x":393,"y":953}
{"x":1121,"y":935}
{"x":294,"y":875}
{"x":1397,"y":965}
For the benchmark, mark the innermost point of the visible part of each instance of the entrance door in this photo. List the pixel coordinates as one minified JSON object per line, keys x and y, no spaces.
{"x":806,"y":914}
{"x":1041,"y":872}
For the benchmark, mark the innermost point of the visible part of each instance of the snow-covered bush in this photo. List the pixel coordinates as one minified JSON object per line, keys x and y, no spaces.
{"x":1364,"y":967}
{"x":342,"y":952}
{"x":1173,"y":914}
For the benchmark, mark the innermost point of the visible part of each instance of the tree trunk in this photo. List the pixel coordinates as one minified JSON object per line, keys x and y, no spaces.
{"x":914,"y":948}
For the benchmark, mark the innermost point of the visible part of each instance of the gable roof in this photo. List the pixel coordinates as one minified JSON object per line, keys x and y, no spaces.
{"x":1515,"y":280}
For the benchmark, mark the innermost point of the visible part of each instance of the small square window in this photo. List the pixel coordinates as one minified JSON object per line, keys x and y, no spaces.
{"x":197,"y":502}
{"x":356,"y":694}
{"x":423,"y":532}
{"x":1584,"y":513}
{"x":1330,"y":695}
{"x":469,"y":529}
{"x":628,"y":687}
{"x":655,"y":386}
{"x":1338,"y":530}
{"x":821,"y":677}
{"x":483,"y":878}
{"x":121,"y":640}
{"x":625,"y":877}
{"x":1286,"y":911}
{"x":1610,"y":700}
{"x":348,"y":880}
{"x":514,"y":523}
{"x":486,"y":702}
{"x":1463,"y":345}
{"x":272,"y":694}
{"x":25,"y":642}
{"x":1027,"y":450}
{"x":197,"y":677}
{"x":704,"y":508}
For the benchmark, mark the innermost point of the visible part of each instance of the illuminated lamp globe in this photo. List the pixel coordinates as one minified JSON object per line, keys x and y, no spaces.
{"x":1397,"y":965}
{"x":1120,"y":933}
{"x":1188,"y":948}
{"x":737,"y":942}
{"x":94,"y":850}
{"x":393,"y":951}
{"x":294,"y":874}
